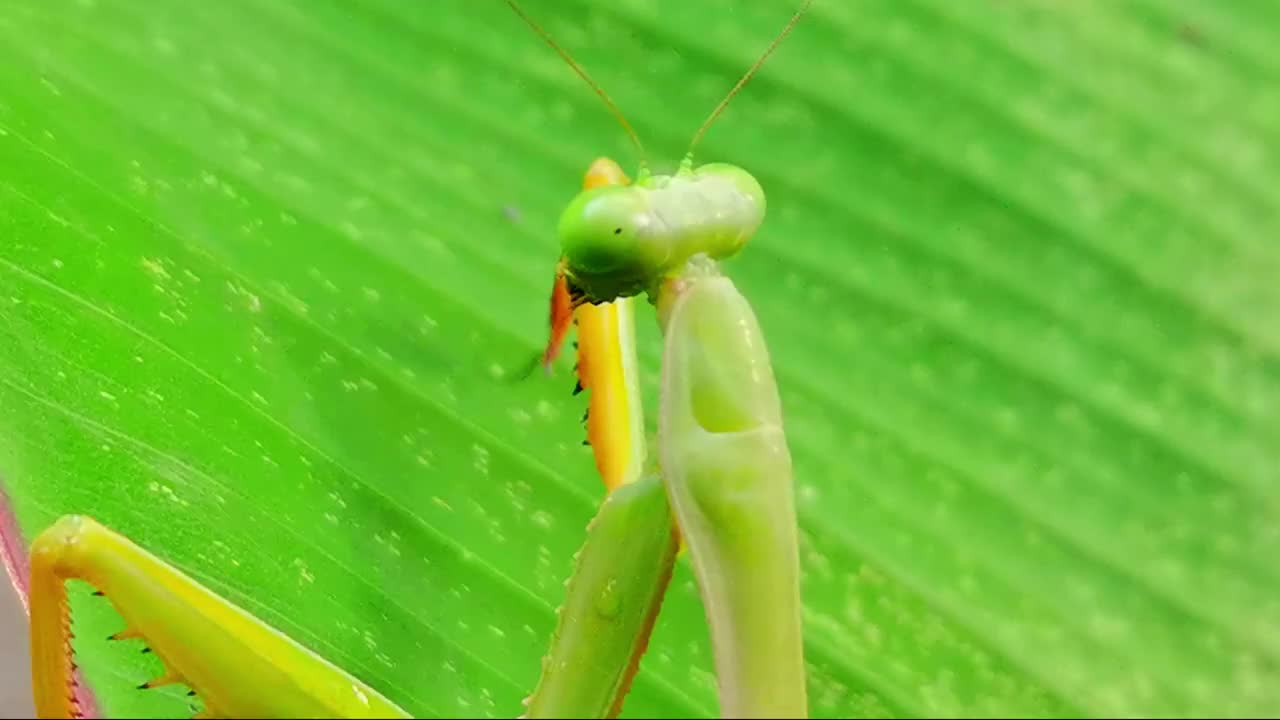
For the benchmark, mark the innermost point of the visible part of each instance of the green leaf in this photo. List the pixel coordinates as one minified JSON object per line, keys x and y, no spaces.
{"x":268,"y":269}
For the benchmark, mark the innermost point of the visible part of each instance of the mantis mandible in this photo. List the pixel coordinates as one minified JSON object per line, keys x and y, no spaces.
{"x":723,"y":485}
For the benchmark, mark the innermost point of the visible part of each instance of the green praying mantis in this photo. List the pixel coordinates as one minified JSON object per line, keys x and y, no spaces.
{"x":720,"y":482}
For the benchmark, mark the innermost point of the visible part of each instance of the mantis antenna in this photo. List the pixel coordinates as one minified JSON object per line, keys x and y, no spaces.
{"x":631,"y":133}
{"x":697,"y":137}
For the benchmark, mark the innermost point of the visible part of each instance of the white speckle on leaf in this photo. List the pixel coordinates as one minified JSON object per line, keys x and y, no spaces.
{"x":547,"y":410}
{"x":542,"y":519}
{"x":304,"y":574}
{"x":156,"y":268}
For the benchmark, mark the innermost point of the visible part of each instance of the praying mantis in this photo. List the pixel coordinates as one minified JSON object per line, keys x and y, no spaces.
{"x":720,"y":482}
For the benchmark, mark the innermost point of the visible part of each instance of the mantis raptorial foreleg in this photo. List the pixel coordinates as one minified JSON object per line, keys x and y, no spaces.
{"x":728,"y":474}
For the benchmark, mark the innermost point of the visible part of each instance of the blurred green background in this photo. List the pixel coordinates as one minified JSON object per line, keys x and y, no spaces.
{"x":269,"y":268}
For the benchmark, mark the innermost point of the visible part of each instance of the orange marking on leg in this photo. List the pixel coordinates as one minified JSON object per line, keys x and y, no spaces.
{"x":561,"y":318}
{"x":604,"y":171}
{"x":608,"y":403}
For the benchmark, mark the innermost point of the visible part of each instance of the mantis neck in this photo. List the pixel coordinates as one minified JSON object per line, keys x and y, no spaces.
{"x":664,"y":296}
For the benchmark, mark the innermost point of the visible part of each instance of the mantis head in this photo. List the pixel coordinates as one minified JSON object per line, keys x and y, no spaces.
{"x":606,"y":233}
{"x":619,"y":241}
{"x":605,"y":239}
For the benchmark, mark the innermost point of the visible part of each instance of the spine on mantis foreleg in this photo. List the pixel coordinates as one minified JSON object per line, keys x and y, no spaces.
{"x":613,"y":598}
{"x":728,"y":474}
{"x":239,"y":666}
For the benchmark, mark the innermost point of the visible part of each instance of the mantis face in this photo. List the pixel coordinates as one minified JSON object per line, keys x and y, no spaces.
{"x":605,"y":237}
{"x":619,"y":241}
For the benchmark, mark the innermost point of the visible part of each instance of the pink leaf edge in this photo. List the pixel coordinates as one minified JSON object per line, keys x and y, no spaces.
{"x":13,"y":555}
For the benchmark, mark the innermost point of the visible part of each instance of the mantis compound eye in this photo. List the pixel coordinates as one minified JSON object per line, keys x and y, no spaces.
{"x":599,"y":230}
